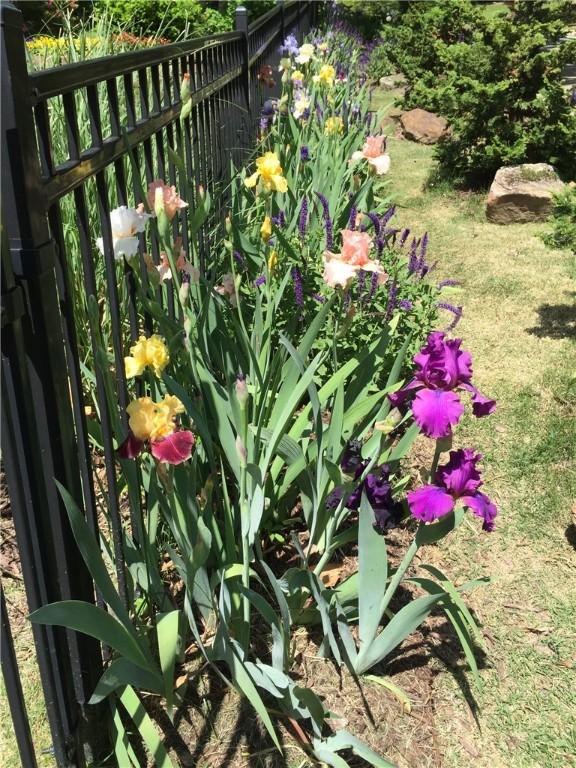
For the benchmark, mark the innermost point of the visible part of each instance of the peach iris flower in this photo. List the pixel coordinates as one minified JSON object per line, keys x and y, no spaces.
{"x":341,"y":268}
{"x":373,"y":152}
{"x":172,"y":200}
{"x":182,"y":264}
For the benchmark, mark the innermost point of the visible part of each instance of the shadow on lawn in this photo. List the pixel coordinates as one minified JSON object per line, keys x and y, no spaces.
{"x":570,"y":534}
{"x":557,"y":321}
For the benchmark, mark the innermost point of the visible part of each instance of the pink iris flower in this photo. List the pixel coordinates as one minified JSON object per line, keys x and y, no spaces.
{"x":373,"y":152}
{"x":341,"y":268}
{"x":442,"y":368}
{"x":458,"y":480}
{"x":172,"y":200}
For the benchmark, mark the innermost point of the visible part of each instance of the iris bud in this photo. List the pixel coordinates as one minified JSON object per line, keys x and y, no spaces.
{"x":183,"y":293}
{"x":241,"y":390}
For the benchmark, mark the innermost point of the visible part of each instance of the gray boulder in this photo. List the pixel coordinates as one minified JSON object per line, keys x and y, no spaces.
{"x":522,"y":193}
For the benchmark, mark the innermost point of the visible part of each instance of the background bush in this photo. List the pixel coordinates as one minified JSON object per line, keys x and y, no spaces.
{"x":562,"y":232}
{"x":171,"y":19}
{"x":496,"y":77}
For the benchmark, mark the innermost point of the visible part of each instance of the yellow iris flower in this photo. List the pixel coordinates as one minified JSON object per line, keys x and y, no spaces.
{"x":333,"y":125}
{"x":269,"y":173}
{"x":151,"y":351}
{"x":153,"y":421}
{"x":326,"y":75}
{"x":272,"y":261}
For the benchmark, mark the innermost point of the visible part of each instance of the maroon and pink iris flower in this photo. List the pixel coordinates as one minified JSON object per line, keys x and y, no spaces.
{"x":442,"y":368}
{"x":458,"y":480}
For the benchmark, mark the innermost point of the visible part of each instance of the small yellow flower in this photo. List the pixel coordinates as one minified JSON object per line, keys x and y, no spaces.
{"x":153,"y":421}
{"x":333,"y":125}
{"x":297,"y":75}
{"x":266,"y":229}
{"x":269,"y":173}
{"x":151,"y":351}
{"x":272,"y":261}
{"x":326,"y":75}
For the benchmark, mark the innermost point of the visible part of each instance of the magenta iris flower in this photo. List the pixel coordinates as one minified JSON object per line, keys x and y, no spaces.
{"x":442,"y":368}
{"x":458,"y":480}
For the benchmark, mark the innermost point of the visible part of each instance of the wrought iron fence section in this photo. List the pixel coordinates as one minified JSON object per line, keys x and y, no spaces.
{"x":78,"y":141}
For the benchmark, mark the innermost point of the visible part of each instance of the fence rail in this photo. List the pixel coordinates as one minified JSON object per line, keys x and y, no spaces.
{"x":77,"y":141}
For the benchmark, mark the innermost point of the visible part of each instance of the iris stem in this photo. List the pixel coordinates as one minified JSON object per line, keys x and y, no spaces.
{"x":245,"y":524}
{"x":435,"y":460}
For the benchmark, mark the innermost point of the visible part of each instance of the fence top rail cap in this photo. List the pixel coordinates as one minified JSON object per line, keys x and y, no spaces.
{"x":69,"y":77}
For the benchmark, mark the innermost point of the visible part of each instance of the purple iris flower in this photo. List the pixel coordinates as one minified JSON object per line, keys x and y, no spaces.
{"x":442,"y":368}
{"x":279,"y":220}
{"x":376,"y":485}
{"x":304,"y":154}
{"x":458,"y":480}
{"x":260,"y":280}
{"x":290,"y":46}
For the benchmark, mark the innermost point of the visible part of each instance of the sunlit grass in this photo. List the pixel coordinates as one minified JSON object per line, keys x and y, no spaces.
{"x":508,"y":276}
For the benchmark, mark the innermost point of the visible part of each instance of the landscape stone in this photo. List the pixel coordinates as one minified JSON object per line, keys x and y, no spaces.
{"x":423,"y":127}
{"x":390,"y":82}
{"x":522,"y":193}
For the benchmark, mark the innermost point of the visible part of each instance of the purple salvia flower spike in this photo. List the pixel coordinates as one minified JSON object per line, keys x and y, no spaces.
{"x":456,"y":311}
{"x":376,"y":222}
{"x":361,"y":284}
{"x":373,"y":286}
{"x":403,"y":237}
{"x":388,"y":215}
{"x":298,"y":286}
{"x":327,"y":221}
{"x":392,"y":296}
{"x":352,"y":217}
{"x":303,"y":218}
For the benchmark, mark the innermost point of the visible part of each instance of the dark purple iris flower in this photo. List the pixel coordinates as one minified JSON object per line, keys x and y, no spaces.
{"x":387,"y":512}
{"x":458,"y":480}
{"x":442,"y":368}
{"x":304,"y":154}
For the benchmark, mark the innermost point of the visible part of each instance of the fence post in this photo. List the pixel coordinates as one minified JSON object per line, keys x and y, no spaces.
{"x":38,"y":436}
{"x":241,"y":25}
{"x":282,"y":20}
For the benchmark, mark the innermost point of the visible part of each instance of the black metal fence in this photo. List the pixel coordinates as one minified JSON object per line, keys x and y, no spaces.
{"x":67,"y":134}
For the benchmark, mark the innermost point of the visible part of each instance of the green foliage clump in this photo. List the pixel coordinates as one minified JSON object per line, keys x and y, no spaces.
{"x":176,"y":18}
{"x":562,"y":233}
{"x":497,"y":80}
{"x":380,"y":64}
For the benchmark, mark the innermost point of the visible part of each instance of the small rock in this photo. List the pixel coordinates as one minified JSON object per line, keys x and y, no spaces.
{"x":522,"y":193}
{"x":423,"y":127}
{"x":390,"y":82}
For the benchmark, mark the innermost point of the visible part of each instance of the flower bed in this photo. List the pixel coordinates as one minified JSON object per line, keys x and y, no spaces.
{"x":277,"y":406}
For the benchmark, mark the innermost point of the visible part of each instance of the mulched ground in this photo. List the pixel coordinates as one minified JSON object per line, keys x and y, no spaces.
{"x":216,"y":728}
